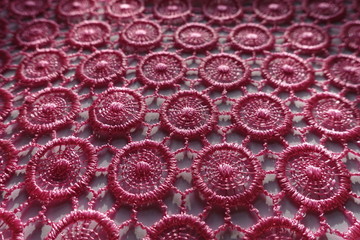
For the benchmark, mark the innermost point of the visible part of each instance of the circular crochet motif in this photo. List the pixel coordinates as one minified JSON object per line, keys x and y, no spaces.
{"x":11,"y":226}
{"x":61,"y":169}
{"x":262,"y":116}
{"x":42,"y":67}
{"x":172,"y":10}
{"x":89,"y":33}
{"x":49,"y":109}
{"x":74,"y":8}
{"x":102,"y":67}
{"x":4,"y":60}
{"x":141,"y":34}
{"x":274,"y":10}
{"x":37,"y":33}
{"x":224,"y":71}
{"x":180,"y":226}
{"x":311,"y":177}
{"x":161,"y":69}
{"x":28,"y":8}
{"x":307,"y":37}
{"x":124,"y":8}
{"x":279,"y":228}
{"x":117,"y":111}
{"x":324,"y":10}
{"x":89,"y":225}
{"x":5,"y":103}
{"x":333,"y":115}
{"x":287,"y":71}
{"x":196,"y":37}
{"x":142,"y":172}
{"x":251,"y":37}
{"x":8,"y":160}
{"x":188,"y":114}
{"x":225,"y":10}
{"x":343,"y":70}
{"x":350,"y":34}
{"x":226,"y":175}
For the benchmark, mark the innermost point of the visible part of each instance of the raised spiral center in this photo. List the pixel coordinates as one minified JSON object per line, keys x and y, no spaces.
{"x":89,"y":31}
{"x":286,"y":68}
{"x":116,"y":106}
{"x":314,"y":173}
{"x":263,"y":113}
{"x":195,"y":35}
{"x":42,"y":64}
{"x":225,"y":170}
{"x":274,"y":6}
{"x":60,"y":170}
{"x":223,"y":68}
{"x":142,"y":168}
{"x":334,"y":113}
{"x":48,"y":108}
{"x":76,"y":4}
{"x":188,"y":111}
{"x":35,"y":32}
{"x":161,"y":67}
{"x":307,"y":35}
{"x":222,"y":7}
{"x":251,"y":36}
{"x":324,"y":6}
{"x":140,"y":32}
{"x":172,"y":7}
{"x":125,"y":6}
{"x":101,"y":64}
{"x":30,"y":4}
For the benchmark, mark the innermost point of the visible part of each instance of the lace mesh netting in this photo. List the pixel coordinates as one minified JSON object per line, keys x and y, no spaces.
{"x":178,"y":119}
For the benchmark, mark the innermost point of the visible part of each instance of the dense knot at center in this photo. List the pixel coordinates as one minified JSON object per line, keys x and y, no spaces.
{"x":287,"y":69}
{"x":140,"y":33}
{"x":223,"y":69}
{"x":161,"y":67}
{"x":30,"y":4}
{"x":307,"y":35}
{"x":274,"y":7}
{"x":101,"y":65}
{"x":324,"y":6}
{"x":334,"y":113}
{"x":187,"y":112}
{"x":251,"y":36}
{"x":225,"y":170}
{"x":125,"y":6}
{"x":142,"y":169}
{"x":263,"y":113}
{"x":173,"y":8}
{"x":313,"y":173}
{"x":195,"y":35}
{"x":116,"y":107}
{"x":60,"y":170}
{"x":76,"y":4}
{"x":48,"y":108}
{"x":222,"y":7}
{"x":42,"y":64}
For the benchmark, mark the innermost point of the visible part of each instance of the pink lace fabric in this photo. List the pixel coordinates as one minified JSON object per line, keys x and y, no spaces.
{"x":179,"y":119}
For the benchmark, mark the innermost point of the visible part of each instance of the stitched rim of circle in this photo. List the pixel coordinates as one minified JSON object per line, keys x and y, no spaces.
{"x":353,"y":232}
{"x":279,"y":83}
{"x":39,"y":42}
{"x":278,"y":222}
{"x":206,"y":128}
{"x":200,"y":47}
{"x":150,"y":196}
{"x":262,"y":134}
{"x":6,"y":97}
{"x":318,"y":16}
{"x":179,"y":220}
{"x":47,"y":196}
{"x":285,"y":17}
{"x":135,"y":44}
{"x":104,"y":221}
{"x":344,"y":34}
{"x":231,"y":17}
{"x":111,"y":130}
{"x":11,"y":159}
{"x":105,"y":34}
{"x":183,"y":15}
{"x":145,"y":80}
{"x":112,"y":14}
{"x":6,"y":58}
{"x":42,"y":128}
{"x":77,"y":13}
{"x":322,"y":205}
{"x":332,"y":133}
{"x":323,"y":45}
{"x":14,"y":224}
{"x":19,"y":13}
{"x":268,"y":45}
{"x":240,"y":199}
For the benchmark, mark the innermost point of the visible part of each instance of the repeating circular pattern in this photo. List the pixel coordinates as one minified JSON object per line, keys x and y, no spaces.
{"x":262,"y":116}
{"x":41,"y":67}
{"x":142,"y":34}
{"x":172,"y":10}
{"x":61,"y":169}
{"x":287,"y":71}
{"x":102,"y":67}
{"x":333,"y":116}
{"x":180,"y":226}
{"x":89,"y":33}
{"x":124,"y":8}
{"x":11,"y":226}
{"x":28,"y":8}
{"x":8,"y":160}
{"x":224,"y":71}
{"x":350,"y":34}
{"x":5,"y":103}
{"x":227,"y":175}
{"x":89,"y":225}
{"x":75,"y":8}
{"x":251,"y":37}
{"x":188,"y":114}
{"x":161,"y":69}
{"x":4,"y":60}
{"x":196,"y":37}
{"x":307,"y":37}
{"x":343,"y":70}
{"x":225,"y":10}
{"x":313,"y":178}
{"x":37,"y":33}
{"x":275,"y":11}
{"x":48,"y":110}
{"x":142,"y":172}
{"x":324,"y":10}
{"x":117,"y":111}
{"x":279,"y":228}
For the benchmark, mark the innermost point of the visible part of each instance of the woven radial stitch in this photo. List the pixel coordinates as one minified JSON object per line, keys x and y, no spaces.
{"x":179,"y":119}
